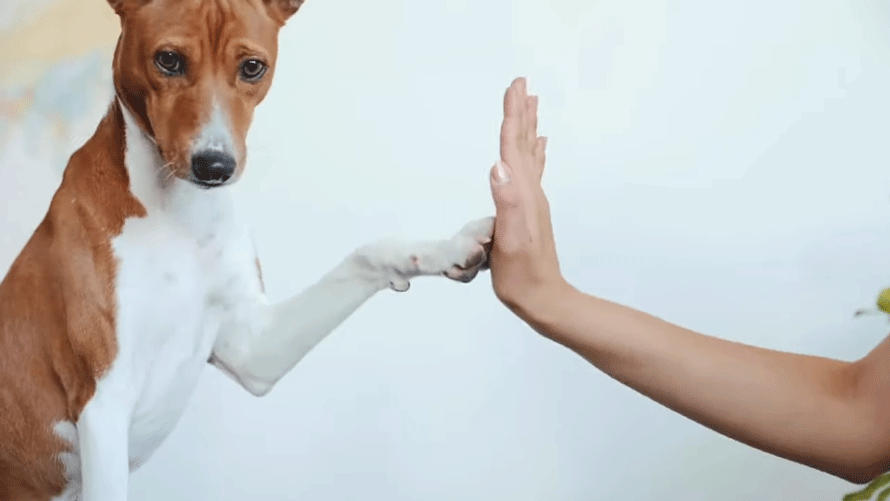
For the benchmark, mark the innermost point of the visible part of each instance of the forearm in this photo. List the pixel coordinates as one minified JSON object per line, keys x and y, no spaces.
{"x":798,"y":407}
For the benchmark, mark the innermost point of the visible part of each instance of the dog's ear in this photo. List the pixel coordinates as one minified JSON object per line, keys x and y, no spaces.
{"x":124,"y":7}
{"x":282,"y":10}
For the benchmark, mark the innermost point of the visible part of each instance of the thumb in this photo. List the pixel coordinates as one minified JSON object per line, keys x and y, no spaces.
{"x":503,"y":189}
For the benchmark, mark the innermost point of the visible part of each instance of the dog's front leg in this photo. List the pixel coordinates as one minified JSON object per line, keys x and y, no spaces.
{"x":102,"y":431}
{"x":260,"y":346}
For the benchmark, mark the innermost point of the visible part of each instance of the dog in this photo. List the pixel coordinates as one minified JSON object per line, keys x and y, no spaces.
{"x":142,"y":271}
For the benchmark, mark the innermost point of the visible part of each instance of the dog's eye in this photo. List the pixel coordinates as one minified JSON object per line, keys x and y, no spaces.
{"x":170,"y":63}
{"x":252,"y":70}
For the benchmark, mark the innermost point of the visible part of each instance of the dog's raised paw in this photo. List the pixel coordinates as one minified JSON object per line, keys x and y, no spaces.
{"x":458,"y":258}
{"x":473,"y":243}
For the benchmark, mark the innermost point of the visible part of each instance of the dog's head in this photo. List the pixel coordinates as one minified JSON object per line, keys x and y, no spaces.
{"x":191,"y":73}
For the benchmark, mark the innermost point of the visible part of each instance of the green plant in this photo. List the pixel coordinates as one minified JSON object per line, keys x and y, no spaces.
{"x":869,"y":490}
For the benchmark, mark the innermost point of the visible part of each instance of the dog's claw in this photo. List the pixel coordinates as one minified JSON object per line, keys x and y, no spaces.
{"x":400,"y":285}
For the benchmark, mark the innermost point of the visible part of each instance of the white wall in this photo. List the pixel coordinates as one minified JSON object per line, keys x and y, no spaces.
{"x":719,"y":164}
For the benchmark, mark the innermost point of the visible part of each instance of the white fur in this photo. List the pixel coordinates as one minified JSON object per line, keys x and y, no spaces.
{"x":216,"y":135}
{"x":66,"y":431}
{"x":188,"y":291}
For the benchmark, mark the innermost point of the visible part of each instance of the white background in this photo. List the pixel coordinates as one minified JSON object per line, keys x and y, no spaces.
{"x":722,"y":165}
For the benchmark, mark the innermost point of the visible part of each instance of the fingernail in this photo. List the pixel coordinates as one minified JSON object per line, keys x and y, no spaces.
{"x":500,"y":173}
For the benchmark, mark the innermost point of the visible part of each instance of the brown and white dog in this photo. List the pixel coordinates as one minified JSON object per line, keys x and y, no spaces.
{"x":142,"y":271}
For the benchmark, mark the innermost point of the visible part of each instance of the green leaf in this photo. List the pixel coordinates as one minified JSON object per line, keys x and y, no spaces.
{"x":866,"y":493}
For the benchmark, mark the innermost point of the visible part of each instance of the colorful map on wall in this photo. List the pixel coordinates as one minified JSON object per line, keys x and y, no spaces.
{"x":55,"y":81}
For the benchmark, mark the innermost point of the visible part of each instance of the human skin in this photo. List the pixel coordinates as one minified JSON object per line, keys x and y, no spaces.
{"x":828,"y":414}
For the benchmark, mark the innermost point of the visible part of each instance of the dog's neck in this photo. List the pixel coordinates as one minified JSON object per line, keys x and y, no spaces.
{"x":118,"y":174}
{"x":199,"y":211}
{"x":143,"y":163}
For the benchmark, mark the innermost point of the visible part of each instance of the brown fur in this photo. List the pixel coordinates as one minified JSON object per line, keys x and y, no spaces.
{"x":57,"y":302}
{"x":57,"y":313}
{"x":215,"y":37}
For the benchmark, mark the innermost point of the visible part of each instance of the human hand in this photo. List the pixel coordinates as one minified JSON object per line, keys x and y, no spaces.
{"x":523,"y":261}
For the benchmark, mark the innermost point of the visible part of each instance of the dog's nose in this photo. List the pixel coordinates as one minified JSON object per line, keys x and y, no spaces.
{"x":213,"y":167}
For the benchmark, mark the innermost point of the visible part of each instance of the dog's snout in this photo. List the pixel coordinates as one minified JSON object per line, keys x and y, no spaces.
{"x":213,"y":167}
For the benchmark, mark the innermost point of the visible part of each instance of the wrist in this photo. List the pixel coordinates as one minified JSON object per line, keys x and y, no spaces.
{"x":541,"y":307}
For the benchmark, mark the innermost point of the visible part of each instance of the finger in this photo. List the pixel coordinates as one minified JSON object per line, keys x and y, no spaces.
{"x":532,"y":119}
{"x":509,"y":146}
{"x":512,"y":122}
{"x":521,"y":87}
{"x":512,"y":97}
{"x":508,"y":220}
{"x":503,"y":189}
{"x":540,"y":156}
{"x":521,"y":98}
{"x":506,"y":190}
{"x":522,"y":121}
{"x":508,"y":100}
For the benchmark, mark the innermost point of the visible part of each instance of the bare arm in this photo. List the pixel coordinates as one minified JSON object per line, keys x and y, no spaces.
{"x":824,"y":413}
{"x":827,"y":414}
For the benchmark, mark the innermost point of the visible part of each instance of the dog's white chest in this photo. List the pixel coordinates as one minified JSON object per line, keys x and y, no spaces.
{"x":165,"y":328}
{"x":180,"y":275}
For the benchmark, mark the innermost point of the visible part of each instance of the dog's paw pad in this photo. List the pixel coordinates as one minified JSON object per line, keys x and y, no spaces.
{"x":462,"y":275}
{"x":400,"y":285}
